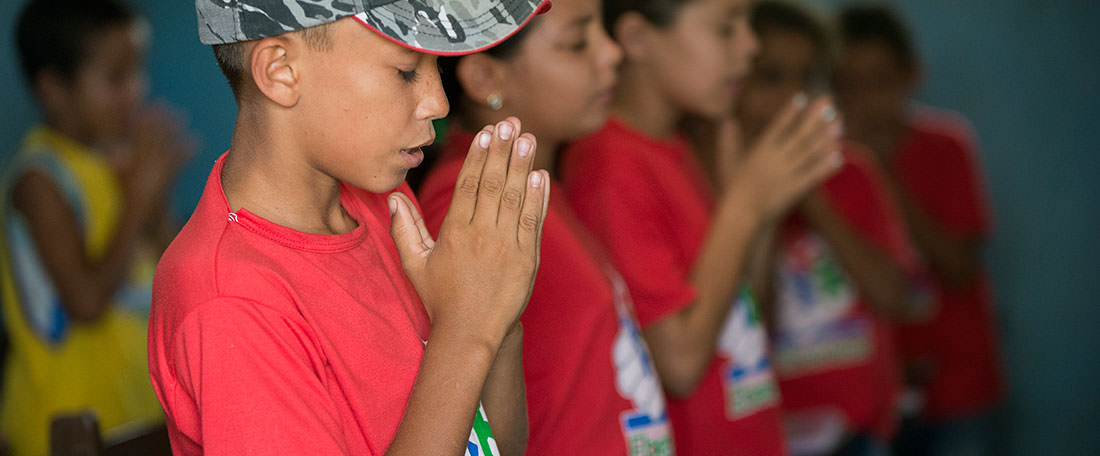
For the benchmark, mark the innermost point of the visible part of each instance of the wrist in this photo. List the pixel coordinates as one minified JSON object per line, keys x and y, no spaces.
{"x":742,"y":197}
{"x":469,"y":336}
{"x":513,"y":341}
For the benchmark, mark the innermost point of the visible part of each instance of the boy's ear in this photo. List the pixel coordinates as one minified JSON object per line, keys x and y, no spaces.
{"x":480,"y":75}
{"x":632,"y":32}
{"x":273,"y":62}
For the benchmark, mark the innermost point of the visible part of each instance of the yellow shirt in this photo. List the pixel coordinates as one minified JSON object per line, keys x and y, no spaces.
{"x":56,"y":365}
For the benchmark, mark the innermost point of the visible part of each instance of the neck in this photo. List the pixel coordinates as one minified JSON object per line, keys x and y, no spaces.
{"x":639,"y":102}
{"x":479,"y":117}
{"x":266,"y":171}
{"x":68,"y":128}
{"x":885,"y":139}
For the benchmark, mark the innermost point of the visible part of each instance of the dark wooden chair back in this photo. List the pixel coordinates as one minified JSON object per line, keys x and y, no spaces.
{"x":78,"y":435}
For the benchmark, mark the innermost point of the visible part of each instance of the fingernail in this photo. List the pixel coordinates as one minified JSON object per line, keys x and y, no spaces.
{"x":523,"y":147}
{"x":536,"y":179}
{"x":505,"y":130}
{"x":393,"y":206}
{"x":800,"y":100}
{"x":483,"y":139}
{"x":828,"y":113}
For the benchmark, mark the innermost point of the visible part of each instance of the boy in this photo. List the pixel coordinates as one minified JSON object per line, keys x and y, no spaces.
{"x":83,"y":212}
{"x":931,"y":167}
{"x":282,"y":322}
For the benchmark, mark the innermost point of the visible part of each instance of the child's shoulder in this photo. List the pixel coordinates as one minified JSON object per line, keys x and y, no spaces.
{"x":213,"y":256}
{"x":615,"y":152}
{"x":942,"y":127}
{"x":616,"y":137}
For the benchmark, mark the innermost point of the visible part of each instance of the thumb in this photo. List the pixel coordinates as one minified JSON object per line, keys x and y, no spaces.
{"x":409,"y":234}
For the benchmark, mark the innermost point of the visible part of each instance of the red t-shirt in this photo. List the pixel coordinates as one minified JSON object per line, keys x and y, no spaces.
{"x":831,"y":352}
{"x":591,"y":386}
{"x":647,"y":200}
{"x":267,"y":340}
{"x":936,"y":165}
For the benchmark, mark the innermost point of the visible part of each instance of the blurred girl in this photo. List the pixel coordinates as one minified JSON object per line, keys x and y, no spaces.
{"x":931,"y":163}
{"x":682,"y":245}
{"x":591,"y":385}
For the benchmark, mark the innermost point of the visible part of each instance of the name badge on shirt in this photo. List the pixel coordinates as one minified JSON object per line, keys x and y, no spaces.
{"x":646,"y":427}
{"x":817,"y":328}
{"x":481,"y":441}
{"x":747,"y":376}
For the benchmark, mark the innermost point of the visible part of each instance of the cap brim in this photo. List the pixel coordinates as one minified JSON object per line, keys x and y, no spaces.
{"x":442,"y":33}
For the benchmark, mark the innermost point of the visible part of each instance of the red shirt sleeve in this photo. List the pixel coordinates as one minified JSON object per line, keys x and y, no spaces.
{"x":940,"y":170}
{"x":616,"y":200}
{"x":859,"y":195}
{"x":250,"y":380}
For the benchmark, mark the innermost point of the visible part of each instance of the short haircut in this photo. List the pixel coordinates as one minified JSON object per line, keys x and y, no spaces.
{"x":771,"y":15}
{"x":55,"y":34}
{"x":874,"y":22}
{"x":233,"y":61}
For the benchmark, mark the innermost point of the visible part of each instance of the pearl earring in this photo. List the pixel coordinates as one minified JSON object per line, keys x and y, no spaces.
{"x":495,"y":101}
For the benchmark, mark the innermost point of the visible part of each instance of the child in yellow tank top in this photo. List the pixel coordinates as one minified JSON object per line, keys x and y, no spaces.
{"x":56,"y":364}
{"x":79,"y":206}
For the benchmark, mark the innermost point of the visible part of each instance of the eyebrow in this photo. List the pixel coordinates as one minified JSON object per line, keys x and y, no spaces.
{"x":581,"y":21}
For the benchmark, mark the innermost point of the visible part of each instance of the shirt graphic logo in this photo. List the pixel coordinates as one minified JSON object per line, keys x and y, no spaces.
{"x":646,"y":427}
{"x":481,"y":441}
{"x":816,"y":327}
{"x":747,"y":376}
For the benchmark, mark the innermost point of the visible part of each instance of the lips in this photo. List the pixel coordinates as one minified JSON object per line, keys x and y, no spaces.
{"x":413,"y":157}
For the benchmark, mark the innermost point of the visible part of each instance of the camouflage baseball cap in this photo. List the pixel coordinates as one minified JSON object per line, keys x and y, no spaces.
{"x":442,"y":27}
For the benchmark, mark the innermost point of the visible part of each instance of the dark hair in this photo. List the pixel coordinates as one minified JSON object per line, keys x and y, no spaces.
{"x":448,"y":66}
{"x":661,"y":13}
{"x":873,"y":22}
{"x":233,"y":62}
{"x":55,"y":34}
{"x":770,"y":15}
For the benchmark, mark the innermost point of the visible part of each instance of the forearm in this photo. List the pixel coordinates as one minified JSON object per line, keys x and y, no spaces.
{"x":505,"y":396}
{"x":952,"y":258}
{"x":161,"y":230}
{"x":444,"y":399}
{"x":762,"y":276}
{"x":683,"y":344}
{"x":876,"y":276}
{"x":112,"y":269}
{"x":85,"y":285}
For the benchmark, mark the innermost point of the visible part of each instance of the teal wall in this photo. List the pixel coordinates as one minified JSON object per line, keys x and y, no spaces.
{"x":1026,"y":72}
{"x":182,"y":72}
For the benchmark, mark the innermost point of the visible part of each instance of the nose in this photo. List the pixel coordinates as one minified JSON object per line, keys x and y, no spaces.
{"x":433,"y":101}
{"x":746,"y":41}
{"x":612,"y":52}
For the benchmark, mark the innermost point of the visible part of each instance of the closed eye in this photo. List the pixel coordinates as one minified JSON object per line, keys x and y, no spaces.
{"x":409,"y":76}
